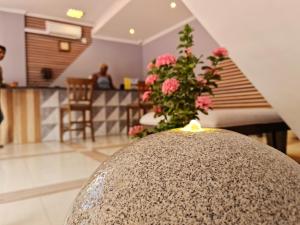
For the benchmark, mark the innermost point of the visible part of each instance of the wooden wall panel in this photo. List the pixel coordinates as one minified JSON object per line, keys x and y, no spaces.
{"x":43,"y":51}
{"x":34,"y":22}
{"x":7,"y":125}
{"x":235,"y":90}
{"x":22,"y":123}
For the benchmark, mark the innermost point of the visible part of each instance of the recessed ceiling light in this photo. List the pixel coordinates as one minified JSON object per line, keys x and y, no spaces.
{"x":131,"y":31}
{"x":173,"y":5}
{"x":75,"y":13}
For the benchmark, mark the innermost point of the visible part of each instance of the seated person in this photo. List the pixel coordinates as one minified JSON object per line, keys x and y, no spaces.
{"x":103,"y":79}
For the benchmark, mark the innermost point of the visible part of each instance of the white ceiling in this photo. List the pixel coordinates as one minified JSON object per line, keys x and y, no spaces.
{"x":147,"y":17}
{"x":57,"y":8}
{"x":110,"y":18}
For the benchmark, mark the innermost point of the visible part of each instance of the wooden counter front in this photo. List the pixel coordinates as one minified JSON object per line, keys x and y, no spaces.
{"x":31,"y":115}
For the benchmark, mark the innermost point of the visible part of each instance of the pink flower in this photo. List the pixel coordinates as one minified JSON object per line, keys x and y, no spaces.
{"x":150,"y":66}
{"x":146,"y":96}
{"x":220,"y":52}
{"x":203,"y":102}
{"x":170,"y":86}
{"x":157,"y":109}
{"x":188,"y":51}
{"x":133,"y":131}
{"x":151,"y":79}
{"x":166,"y":59}
{"x":201,"y":80}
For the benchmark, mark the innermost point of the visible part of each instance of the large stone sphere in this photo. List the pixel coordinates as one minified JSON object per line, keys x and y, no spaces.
{"x":183,"y":178}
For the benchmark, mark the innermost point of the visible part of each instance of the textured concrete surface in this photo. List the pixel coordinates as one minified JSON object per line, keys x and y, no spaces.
{"x":211,"y":177}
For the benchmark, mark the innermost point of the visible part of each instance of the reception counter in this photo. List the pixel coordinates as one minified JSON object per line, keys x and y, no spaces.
{"x":32,"y":114}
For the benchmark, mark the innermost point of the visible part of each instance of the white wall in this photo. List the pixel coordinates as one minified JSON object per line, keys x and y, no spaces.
{"x":203,"y":44}
{"x":263,"y":39}
{"x":12,"y":36}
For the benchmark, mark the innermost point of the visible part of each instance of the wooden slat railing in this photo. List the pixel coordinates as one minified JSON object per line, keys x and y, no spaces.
{"x":235,"y":90}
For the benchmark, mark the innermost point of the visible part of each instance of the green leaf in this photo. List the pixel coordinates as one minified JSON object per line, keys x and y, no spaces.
{"x":179,"y":107}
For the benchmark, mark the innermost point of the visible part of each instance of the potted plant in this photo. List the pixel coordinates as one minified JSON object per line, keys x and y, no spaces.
{"x":176,"y":91}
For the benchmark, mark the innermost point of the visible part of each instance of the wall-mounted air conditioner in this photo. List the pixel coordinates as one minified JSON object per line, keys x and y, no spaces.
{"x":63,"y":30}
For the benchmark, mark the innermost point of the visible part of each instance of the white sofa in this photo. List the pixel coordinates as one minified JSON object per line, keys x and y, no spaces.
{"x":243,"y":120}
{"x":221,"y":118}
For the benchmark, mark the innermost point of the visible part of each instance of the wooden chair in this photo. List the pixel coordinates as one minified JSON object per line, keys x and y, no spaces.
{"x":141,"y":106}
{"x":80,"y":99}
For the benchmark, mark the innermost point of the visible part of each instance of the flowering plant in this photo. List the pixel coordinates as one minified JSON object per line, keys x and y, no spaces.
{"x":176,"y":92}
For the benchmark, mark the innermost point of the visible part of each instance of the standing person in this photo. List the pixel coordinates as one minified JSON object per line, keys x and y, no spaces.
{"x":103,"y":79}
{"x":2,"y":55}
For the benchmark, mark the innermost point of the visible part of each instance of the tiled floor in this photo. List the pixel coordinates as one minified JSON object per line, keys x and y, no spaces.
{"x":45,"y":210}
{"x":38,"y":182}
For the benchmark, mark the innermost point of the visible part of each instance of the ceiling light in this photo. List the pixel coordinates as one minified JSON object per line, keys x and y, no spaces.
{"x":131,"y":31}
{"x":173,"y":5}
{"x":75,"y":13}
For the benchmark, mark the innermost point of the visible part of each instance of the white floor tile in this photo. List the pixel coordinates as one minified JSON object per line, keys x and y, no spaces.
{"x":14,"y":175}
{"x":58,"y":206}
{"x":24,"y":173}
{"x":53,"y":169}
{"x":27,"y":212}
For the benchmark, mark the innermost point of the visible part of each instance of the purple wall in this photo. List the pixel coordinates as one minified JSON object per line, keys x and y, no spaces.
{"x":123,"y":60}
{"x":204,"y":44}
{"x":12,"y":36}
{"x":131,"y":60}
